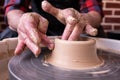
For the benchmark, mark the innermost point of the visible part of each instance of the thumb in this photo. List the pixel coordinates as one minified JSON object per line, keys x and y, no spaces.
{"x":47,"y":7}
{"x":91,"y":30}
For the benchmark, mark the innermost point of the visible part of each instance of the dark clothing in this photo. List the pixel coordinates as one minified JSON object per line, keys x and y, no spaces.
{"x":8,"y":33}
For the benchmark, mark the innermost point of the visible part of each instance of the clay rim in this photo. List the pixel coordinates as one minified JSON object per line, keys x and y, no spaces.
{"x":83,"y":41}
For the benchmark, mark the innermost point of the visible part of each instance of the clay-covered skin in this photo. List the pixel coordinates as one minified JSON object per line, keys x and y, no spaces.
{"x":75,"y":54}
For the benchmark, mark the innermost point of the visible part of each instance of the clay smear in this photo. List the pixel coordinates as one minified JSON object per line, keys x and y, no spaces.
{"x":75,"y":54}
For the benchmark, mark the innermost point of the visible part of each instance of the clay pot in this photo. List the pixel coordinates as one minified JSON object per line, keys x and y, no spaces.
{"x":75,"y":54}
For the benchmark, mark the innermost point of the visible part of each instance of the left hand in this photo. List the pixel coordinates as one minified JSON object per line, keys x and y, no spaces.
{"x":32,"y":29}
{"x":75,"y":21}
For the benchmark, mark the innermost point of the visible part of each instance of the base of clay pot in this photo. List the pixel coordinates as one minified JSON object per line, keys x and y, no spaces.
{"x":75,"y":54}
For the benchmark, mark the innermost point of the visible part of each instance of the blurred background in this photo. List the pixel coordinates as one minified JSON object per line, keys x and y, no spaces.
{"x":2,"y":23}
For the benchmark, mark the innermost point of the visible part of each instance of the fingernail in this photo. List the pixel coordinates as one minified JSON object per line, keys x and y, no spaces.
{"x":94,"y":32}
{"x":44,"y":3}
{"x":51,"y":46}
{"x":37,"y":52}
{"x":36,"y":55}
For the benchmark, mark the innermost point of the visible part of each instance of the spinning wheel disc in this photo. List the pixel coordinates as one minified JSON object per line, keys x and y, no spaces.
{"x":27,"y":67}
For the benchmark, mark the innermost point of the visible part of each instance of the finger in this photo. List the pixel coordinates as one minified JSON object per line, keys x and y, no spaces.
{"x":29,"y":43}
{"x":71,"y":21}
{"x":76,"y":33}
{"x":43,"y":25}
{"x":33,"y":47}
{"x":68,"y":30}
{"x":46,"y":41}
{"x":46,"y":6}
{"x":20,"y":47}
{"x":90,"y":30}
{"x":61,"y":15}
{"x":32,"y":32}
{"x":31,"y":26}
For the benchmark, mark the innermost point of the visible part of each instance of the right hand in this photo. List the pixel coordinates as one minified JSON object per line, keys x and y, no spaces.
{"x":32,"y":32}
{"x":75,"y":21}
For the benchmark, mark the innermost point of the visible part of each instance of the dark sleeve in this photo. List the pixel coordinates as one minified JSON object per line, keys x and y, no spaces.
{"x":16,"y":4}
{"x":91,"y":5}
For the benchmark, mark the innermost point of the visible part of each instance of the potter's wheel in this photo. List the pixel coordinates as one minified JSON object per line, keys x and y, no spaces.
{"x":27,"y":67}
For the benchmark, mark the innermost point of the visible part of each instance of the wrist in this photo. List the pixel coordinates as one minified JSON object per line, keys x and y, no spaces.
{"x":13,"y":18}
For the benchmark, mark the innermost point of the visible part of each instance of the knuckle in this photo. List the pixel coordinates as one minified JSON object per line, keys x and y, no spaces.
{"x":43,"y":20}
{"x":70,"y":9}
{"x":72,"y":20}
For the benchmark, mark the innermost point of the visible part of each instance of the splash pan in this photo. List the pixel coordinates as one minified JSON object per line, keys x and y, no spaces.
{"x":27,"y":67}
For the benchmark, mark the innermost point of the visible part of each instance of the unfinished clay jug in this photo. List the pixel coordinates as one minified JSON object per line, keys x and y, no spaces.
{"x":75,"y":54}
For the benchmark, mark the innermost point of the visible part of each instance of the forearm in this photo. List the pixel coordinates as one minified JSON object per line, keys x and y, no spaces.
{"x":13,"y":18}
{"x":94,"y":18}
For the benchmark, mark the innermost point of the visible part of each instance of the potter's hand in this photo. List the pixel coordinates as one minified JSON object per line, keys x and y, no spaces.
{"x":32,"y":31}
{"x":75,"y":21}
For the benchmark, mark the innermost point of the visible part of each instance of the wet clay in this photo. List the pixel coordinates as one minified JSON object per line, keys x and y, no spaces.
{"x":75,"y":54}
